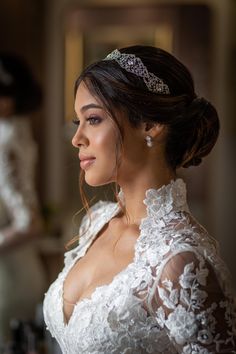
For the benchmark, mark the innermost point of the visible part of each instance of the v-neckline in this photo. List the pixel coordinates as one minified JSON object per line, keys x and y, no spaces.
{"x":165,"y":198}
{"x":76,"y":259}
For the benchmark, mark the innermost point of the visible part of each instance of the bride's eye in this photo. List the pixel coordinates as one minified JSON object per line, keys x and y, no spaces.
{"x":94,"y":120}
{"x":76,"y":121}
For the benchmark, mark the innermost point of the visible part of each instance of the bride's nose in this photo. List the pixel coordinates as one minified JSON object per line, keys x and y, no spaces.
{"x":79,"y":139}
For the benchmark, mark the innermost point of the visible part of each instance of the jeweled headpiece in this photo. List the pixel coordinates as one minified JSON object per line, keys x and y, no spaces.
{"x":134,"y":65}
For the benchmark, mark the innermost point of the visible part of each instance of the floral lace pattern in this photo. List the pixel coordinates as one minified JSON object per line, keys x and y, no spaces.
{"x":173,"y":297}
{"x":17,"y":160}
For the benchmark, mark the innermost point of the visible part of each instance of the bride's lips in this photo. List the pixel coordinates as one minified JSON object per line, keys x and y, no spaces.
{"x":86,"y":161}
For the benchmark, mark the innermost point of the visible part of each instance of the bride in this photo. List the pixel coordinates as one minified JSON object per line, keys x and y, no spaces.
{"x":145,"y":276}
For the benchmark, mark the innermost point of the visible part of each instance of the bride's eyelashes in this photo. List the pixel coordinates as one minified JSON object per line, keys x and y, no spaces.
{"x":93,"y":120}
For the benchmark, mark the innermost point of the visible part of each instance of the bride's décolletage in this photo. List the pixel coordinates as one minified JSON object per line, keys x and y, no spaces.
{"x":141,"y":307}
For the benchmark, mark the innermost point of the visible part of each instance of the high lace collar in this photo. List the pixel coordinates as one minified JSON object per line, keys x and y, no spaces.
{"x":164,"y":200}
{"x":168,"y":198}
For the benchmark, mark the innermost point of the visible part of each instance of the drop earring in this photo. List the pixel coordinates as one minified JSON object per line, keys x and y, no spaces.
{"x":149,"y":141}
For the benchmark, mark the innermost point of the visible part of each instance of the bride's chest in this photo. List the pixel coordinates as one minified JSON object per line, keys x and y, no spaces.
{"x":111,"y":321}
{"x":108,"y":253}
{"x":110,"y":309}
{"x":98,"y":266}
{"x":113,"y":315}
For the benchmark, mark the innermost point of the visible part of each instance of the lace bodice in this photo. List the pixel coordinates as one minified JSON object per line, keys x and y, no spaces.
{"x":17,"y":162}
{"x":173,"y":297}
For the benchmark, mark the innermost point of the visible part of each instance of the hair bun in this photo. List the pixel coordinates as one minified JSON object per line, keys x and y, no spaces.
{"x":204,"y":122}
{"x":197,"y":107}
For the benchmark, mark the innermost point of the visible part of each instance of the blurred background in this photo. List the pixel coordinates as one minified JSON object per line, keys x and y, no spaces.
{"x":59,"y":37}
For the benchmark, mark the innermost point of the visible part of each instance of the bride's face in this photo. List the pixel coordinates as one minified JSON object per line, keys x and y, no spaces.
{"x":97,"y":138}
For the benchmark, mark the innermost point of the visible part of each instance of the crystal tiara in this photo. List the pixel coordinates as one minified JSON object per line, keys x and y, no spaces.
{"x":134,"y":65}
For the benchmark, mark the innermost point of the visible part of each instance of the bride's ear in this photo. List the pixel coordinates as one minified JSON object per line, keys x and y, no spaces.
{"x":155,"y":130}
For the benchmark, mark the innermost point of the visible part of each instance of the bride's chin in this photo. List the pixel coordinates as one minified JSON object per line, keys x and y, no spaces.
{"x":95,"y":181}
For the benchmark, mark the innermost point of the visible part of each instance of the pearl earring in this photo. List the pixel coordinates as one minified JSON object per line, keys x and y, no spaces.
{"x":149,"y":141}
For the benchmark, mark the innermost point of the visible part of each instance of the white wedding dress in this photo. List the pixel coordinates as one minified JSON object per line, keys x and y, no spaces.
{"x":22,"y":280}
{"x":173,"y":298}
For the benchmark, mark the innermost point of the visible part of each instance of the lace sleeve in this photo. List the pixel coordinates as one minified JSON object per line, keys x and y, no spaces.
{"x":189,"y":302}
{"x":15,"y":192}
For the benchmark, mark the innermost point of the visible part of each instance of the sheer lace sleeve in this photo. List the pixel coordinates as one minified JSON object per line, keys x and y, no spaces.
{"x":17,"y":163}
{"x":14,"y":195}
{"x":190,"y":303}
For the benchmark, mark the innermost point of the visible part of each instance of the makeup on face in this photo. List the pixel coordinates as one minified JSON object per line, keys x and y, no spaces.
{"x":96,"y":138}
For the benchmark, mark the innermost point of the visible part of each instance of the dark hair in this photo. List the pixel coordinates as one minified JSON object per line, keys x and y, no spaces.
{"x":192,"y":122}
{"x":17,"y":82}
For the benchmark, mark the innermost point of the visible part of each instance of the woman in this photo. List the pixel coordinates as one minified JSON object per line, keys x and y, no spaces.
{"x":145,"y":277}
{"x":21,"y":273}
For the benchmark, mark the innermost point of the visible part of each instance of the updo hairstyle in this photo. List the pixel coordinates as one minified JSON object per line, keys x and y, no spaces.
{"x":192,"y":122}
{"x":18,"y":83}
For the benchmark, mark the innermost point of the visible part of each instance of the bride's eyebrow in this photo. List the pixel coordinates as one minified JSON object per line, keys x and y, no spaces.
{"x":88,"y":106}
